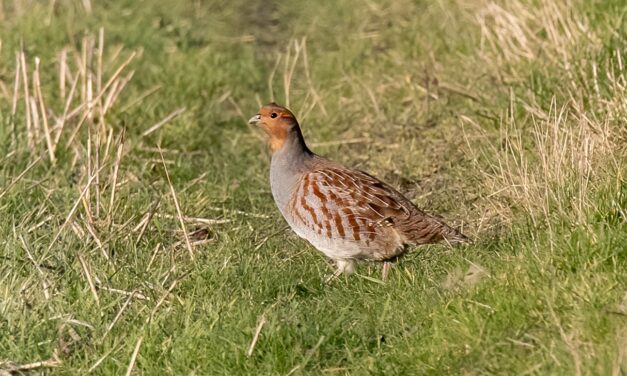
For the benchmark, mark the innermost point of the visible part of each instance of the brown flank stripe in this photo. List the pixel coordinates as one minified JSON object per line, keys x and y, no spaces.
{"x":303,"y":201}
{"x":338,"y":224}
{"x":353,"y":223}
{"x":310,"y":210}
{"x":316,"y":191}
{"x":296,"y":212}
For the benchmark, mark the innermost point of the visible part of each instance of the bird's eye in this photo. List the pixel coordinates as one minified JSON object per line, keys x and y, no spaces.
{"x":273,"y":115}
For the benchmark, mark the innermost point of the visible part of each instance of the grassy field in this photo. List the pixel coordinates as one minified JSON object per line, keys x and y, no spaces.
{"x":139,"y":234}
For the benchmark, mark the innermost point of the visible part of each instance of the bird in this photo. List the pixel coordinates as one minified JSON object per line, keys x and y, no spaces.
{"x":347,"y":214}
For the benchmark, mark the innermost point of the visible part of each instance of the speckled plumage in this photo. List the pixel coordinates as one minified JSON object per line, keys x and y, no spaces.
{"x":347,"y":214}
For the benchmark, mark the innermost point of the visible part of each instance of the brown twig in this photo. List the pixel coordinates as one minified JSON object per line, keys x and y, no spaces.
{"x":204,"y":221}
{"x":90,"y":281}
{"x":161,"y":300}
{"x":42,"y":109}
{"x":116,"y":168}
{"x":19,"y":177}
{"x":178,"y":209}
{"x":253,"y":343}
{"x":31,"y":142}
{"x":117,"y":316}
{"x":164,"y":121}
{"x":70,"y":214}
{"x":143,"y":224}
{"x":11,"y":367}
{"x":131,"y":364}
{"x":44,"y":280}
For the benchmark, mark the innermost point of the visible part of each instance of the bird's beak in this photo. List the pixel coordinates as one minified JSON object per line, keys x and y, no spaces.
{"x":255,"y":119}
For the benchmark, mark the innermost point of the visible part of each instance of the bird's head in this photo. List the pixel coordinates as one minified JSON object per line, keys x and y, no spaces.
{"x":278,"y":123}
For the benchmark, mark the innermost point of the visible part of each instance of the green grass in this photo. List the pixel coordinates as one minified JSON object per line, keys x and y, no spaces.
{"x":508,"y":118}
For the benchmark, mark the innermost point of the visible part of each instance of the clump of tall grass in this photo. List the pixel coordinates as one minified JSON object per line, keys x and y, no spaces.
{"x":72,"y":123}
{"x":552,"y":160}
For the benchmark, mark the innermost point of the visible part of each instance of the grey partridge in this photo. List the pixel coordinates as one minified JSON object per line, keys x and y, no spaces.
{"x":345,"y":213}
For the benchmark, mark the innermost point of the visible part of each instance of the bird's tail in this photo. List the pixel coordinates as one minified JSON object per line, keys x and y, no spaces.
{"x":433,"y":230}
{"x":454,"y":236}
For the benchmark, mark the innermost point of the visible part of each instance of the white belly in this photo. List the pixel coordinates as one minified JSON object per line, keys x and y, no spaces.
{"x":336,"y":249}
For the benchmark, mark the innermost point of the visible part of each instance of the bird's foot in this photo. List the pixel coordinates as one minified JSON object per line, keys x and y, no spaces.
{"x":332,"y":277}
{"x":343,"y":266}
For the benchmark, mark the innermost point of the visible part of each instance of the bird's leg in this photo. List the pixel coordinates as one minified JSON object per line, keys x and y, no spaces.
{"x":343,"y":266}
{"x":386,"y":270}
{"x":333,"y":276}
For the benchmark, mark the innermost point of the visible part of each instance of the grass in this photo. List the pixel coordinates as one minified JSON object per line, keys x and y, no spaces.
{"x":140,"y":235}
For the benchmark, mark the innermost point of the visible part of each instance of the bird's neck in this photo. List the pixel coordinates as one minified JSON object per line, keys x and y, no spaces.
{"x":287,"y":166}
{"x":291,"y":151}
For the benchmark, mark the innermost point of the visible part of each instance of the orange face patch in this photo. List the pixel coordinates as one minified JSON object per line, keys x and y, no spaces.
{"x":277,"y":122}
{"x":277,"y":134}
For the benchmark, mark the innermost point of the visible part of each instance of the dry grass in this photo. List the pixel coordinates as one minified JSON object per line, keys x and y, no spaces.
{"x":553,"y":159}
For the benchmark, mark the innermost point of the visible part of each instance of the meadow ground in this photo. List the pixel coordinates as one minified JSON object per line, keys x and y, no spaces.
{"x":139,"y":235}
